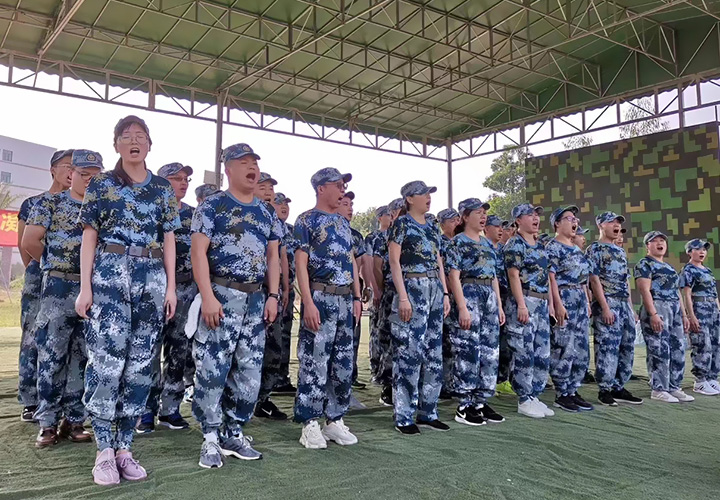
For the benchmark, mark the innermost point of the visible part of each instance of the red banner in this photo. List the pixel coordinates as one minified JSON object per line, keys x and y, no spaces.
{"x":8,"y":228}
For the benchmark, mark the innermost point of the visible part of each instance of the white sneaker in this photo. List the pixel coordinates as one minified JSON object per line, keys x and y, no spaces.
{"x":544,"y":408}
{"x":339,"y":432}
{"x":530,"y":409}
{"x":715,"y":385}
{"x":312,"y":438}
{"x":704,"y":388}
{"x":681,"y":396}
{"x":664,"y":396}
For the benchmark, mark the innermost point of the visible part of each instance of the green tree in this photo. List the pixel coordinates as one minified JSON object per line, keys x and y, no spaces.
{"x":6,"y":197}
{"x":507,"y":180}
{"x":577,"y":141}
{"x":645,"y":127}
{"x":365,"y":222}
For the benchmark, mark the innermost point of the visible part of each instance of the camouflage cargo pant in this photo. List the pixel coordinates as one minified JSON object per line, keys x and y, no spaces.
{"x":373,"y":347}
{"x":530,"y":347}
{"x":272,"y":357}
{"x":228,"y":362}
{"x":384,"y":341}
{"x":417,"y":352}
{"x":325,"y":356}
{"x":61,"y":354}
{"x":448,"y":356}
{"x":569,"y":344}
{"x":287,"y":324}
{"x":126,"y":319}
{"x":706,"y":343}
{"x":27,"y":361}
{"x":170,"y":357}
{"x":477,"y":349}
{"x":505,"y":353}
{"x":665,"y":350}
{"x":614,"y":344}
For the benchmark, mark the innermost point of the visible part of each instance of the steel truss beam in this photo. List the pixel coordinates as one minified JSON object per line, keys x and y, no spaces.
{"x":110,"y":87}
{"x":65,"y":11}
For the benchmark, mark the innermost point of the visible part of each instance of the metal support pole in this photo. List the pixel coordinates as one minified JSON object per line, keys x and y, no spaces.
{"x":218,"y":138}
{"x":448,"y":153}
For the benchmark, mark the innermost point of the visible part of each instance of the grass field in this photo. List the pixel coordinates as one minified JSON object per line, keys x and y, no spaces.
{"x":651,"y":452}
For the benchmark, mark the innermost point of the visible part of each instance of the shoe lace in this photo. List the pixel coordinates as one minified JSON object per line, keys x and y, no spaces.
{"x":126,"y":460}
{"x":211,"y":449}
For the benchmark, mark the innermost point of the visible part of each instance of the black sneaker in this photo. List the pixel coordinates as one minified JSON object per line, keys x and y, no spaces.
{"x":468,"y":416}
{"x":624,"y":396}
{"x":606,"y":398}
{"x":358,"y":385}
{"x":408,"y":430}
{"x":566,"y":403}
{"x":28,"y":414}
{"x":386,"y":396}
{"x":174,"y":421}
{"x":267,"y":409}
{"x":146,"y":424}
{"x":445,"y":395}
{"x":286,"y":388}
{"x":492,"y":417}
{"x":589,"y":378}
{"x":581,"y":403}
{"x":435,"y":425}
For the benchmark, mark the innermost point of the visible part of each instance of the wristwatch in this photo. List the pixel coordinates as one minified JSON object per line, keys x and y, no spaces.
{"x":274,"y":296}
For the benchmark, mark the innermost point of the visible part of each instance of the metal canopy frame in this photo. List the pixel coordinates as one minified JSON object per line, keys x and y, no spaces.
{"x":439,"y":79}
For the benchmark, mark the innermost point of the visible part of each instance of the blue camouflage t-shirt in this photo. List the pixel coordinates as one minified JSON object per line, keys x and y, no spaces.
{"x":358,"y":243}
{"x":380,"y":249}
{"x":58,"y":214}
{"x":183,"y":236}
{"x":137,"y":215}
{"x":474,"y":259}
{"x":609,"y":263}
{"x":570,"y":265}
{"x":27,"y":206}
{"x":420,"y":243}
{"x":291,"y":245}
{"x":699,"y":279}
{"x":328,"y":241}
{"x":445,"y":243}
{"x":500,"y":267}
{"x":530,"y":260}
{"x":665,"y":281}
{"x":370,"y":241}
{"x":239,"y":234}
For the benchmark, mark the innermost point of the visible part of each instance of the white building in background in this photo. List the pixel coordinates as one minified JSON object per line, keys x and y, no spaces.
{"x":25,"y":168}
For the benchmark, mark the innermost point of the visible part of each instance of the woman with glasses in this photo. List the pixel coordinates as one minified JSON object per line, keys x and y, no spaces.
{"x":569,"y":348}
{"x":127,"y":291}
{"x":420,"y":304}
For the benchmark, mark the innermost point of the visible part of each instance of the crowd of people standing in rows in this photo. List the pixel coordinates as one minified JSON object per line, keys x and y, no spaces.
{"x":133,"y":300}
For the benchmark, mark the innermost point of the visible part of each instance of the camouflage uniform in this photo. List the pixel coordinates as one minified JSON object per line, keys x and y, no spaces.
{"x":384,"y":334}
{"x":59,"y":330}
{"x":325,"y":356}
{"x":288,"y":314}
{"x":449,"y":322}
{"x":665,"y":350}
{"x":476,"y":350}
{"x":373,"y":348}
{"x":168,"y":383}
{"x":505,"y":357}
{"x":228,"y":359}
{"x":358,"y":251}
{"x":705,"y":353}
{"x":417,"y":344}
{"x":614,"y":344}
{"x":127,"y":314}
{"x":29,"y":307}
{"x":569,"y":344}
{"x":529,"y":343}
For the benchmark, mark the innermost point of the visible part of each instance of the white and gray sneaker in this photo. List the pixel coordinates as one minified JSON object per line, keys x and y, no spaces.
{"x":530,"y":409}
{"x":682,"y":397}
{"x":544,"y":408}
{"x":210,"y":455}
{"x":715,"y":385}
{"x":239,"y":447}
{"x":338,"y":432}
{"x":664,"y":397}
{"x":312,"y":437}
{"x":705,"y":388}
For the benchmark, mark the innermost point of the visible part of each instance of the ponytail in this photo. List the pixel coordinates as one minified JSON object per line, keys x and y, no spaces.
{"x":122,"y":177}
{"x":460,"y":228}
{"x":405,"y":208}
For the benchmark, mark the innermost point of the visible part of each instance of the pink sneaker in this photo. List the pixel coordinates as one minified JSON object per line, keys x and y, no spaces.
{"x":129,"y":468}
{"x":105,"y":471}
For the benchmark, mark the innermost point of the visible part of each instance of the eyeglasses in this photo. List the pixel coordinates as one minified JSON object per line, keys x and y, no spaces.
{"x":65,"y":165}
{"x":179,"y":178}
{"x":127,"y":139}
{"x":571,"y":219}
{"x":85,"y":174}
{"x":338,"y":184}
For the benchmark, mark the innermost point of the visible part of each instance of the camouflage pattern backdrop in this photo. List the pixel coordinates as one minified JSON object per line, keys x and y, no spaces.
{"x":668,"y":182}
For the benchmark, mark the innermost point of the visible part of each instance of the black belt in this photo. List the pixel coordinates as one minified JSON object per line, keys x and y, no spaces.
{"x":155,"y":253}
{"x":181,"y":278}
{"x":704,"y":299}
{"x":331,"y":289}
{"x":477,"y":281}
{"x":429,"y":274}
{"x":537,"y":295}
{"x":236,"y":285}
{"x":572,"y":285}
{"x":64,"y":276}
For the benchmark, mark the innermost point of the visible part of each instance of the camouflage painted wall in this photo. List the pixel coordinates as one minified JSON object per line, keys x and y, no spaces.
{"x":668,"y":181}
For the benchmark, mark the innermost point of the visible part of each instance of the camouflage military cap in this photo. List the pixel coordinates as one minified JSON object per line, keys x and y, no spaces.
{"x":173,"y":168}
{"x":59,"y":155}
{"x":381,"y":211}
{"x":526,"y":209}
{"x":280,"y":198}
{"x":608,"y":217}
{"x":697,"y":244}
{"x":652,"y":235}
{"x":472,"y":204}
{"x":205,"y":190}
{"x":327,"y":175}
{"x":581,"y":231}
{"x":237,"y":151}
{"x":349,"y":195}
{"x":265,"y":177}
{"x":84,"y":158}
{"x":494,"y":220}
{"x":396,"y":204}
{"x":447,"y":214}
{"x":555,"y":216}
{"x":415,"y":188}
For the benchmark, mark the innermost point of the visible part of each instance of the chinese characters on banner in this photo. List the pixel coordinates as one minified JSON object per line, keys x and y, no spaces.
{"x":8,"y":228}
